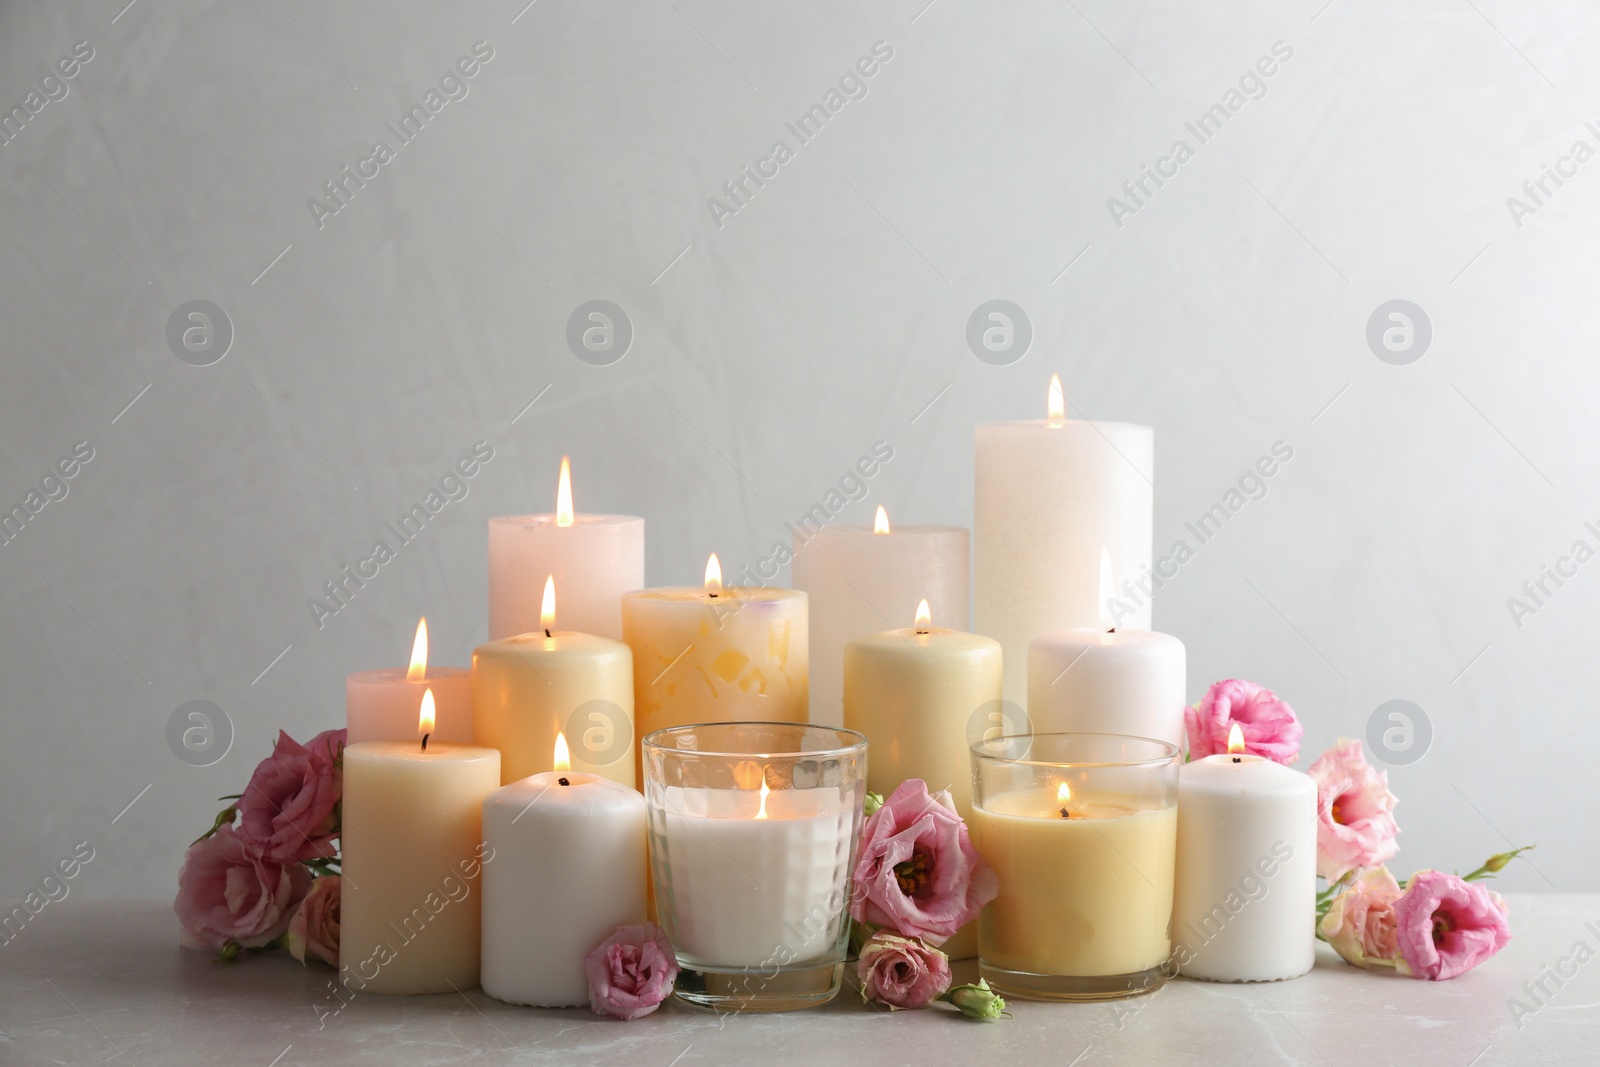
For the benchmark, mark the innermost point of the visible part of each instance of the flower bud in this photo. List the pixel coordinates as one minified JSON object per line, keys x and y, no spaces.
{"x":977,"y":1001}
{"x":873,"y":802}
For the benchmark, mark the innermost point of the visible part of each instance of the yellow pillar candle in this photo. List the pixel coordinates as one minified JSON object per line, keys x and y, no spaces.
{"x":412,"y":852}
{"x":1085,"y":847}
{"x":529,"y":688}
{"x":712,"y":654}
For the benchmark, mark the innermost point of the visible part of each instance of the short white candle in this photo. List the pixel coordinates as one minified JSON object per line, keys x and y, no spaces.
{"x":382,"y":704}
{"x":1244,"y":910}
{"x":1050,"y":496}
{"x":863,"y":580}
{"x":569,"y":868}
{"x":595,"y":559}
{"x":1099,"y":682}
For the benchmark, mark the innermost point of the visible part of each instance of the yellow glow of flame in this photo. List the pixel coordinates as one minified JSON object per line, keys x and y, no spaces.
{"x":1235,"y":739}
{"x":564,"y":494}
{"x":563,"y":758}
{"x":713,"y":574}
{"x":419,"y":652}
{"x":425,"y":717}
{"x":880,"y":521}
{"x":1107,"y":590}
{"x":1063,"y":793}
{"x":1058,"y":403}
{"x":762,"y":813}
{"x":547,"y":606}
{"x":924,"y":614}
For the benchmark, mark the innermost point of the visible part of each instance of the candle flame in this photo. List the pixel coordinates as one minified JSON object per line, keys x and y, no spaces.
{"x":1063,"y":793}
{"x":564,"y":494}
{"x":1107,"y":590}
{"x":762,"y":812}
{"x":425,"y":716}
{"x":547,"y":606}
{"x":419,"y":653}
{"x":1058,"y":403}
{"x":924,"y":616}
{"x":880,"y":521}
{"x":1235,"y":739}
{"x":713,"y":575}
{"x":563,"y":758}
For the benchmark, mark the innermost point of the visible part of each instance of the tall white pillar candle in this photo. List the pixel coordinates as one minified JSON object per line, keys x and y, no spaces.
{"x":595,"y":559}
{"x":570,"y":866}
{"x":412,"y":852}
{"x":863,"y":580}
{"x":1050,"y":497}
{"x":1092,"y":681}
{"x":1244,"y":910}
{"x":382,"y":704}
{"x":529,"y":688}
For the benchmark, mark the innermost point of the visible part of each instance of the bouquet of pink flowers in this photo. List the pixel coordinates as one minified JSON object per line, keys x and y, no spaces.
{"x":1432,"y":925}
{"x":266,"y":875}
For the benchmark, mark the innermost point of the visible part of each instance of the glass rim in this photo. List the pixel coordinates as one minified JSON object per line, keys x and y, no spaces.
{"x":1171,"y":751}
{"x":649,"y":741}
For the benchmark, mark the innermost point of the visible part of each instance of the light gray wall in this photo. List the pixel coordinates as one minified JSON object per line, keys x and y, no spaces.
{"x":1229,"y":311}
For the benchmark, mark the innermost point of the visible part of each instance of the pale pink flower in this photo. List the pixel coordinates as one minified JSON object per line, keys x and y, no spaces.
{"x":289,"y":810}
{"x":919,"y":873}
{"x":1361,"y":924}
{"x":1355,"y":812}
{"x":1447,"y":926}
{"x":902,"y":972}
{"x":1268,"y":725}
{"x":631,"y":972}
{"x":314,"y":930}
{"x":230,"y":893}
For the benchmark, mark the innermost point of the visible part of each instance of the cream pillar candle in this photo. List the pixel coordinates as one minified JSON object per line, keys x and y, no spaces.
{"x":1247,"y":869}
{"x":1050,"y":497}
{"x":914,"y":692}
{"x":528,"y":689}
{"x":595,"y":559}
{"x":412,"y":850}
{"x":862,"y":580}
{"x":712,"y":654}
{"x":570,"y":866}
{"x":1122,"y":682}
{"x":382,"y":704}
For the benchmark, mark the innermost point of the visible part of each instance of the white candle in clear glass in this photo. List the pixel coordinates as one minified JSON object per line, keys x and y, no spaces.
{"x":863,"y":580}
{"x":569,"y":868}
{"x":594,"y":558}
{"x":1245,"y":906}
{"x":412,"y":851}
{"x":382,"y":704}
{"x":1123,"y":682}
{"x":1050,"y":496}
{"x":754,"y":875}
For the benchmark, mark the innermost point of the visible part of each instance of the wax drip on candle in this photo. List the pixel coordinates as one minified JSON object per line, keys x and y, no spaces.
{"x":924,"y":616}
{"x":547,"y":606}
{"x":1063,"y":795}
{"x":713,"y":576}
{"x":425,"y":717}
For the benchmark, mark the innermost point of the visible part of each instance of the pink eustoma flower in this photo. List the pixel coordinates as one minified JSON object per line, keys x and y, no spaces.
{"x":289,"y":810}
{"x":1355,"y":812}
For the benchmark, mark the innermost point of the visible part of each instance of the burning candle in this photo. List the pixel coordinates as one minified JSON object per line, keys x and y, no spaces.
{"x":594,"y":558}
{"x":1050,"y":496}
{"x":382,"y":704}
{"x":529,"y":688}
{"x":569,"y":868}
{"x":862,"y":580}
{"x":412,"y":848}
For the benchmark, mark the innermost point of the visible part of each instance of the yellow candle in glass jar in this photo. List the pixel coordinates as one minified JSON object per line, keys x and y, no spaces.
{"x":1086,"y":894}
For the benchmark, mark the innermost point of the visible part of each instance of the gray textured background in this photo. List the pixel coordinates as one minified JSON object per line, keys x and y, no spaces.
{"x":1230,"y":312}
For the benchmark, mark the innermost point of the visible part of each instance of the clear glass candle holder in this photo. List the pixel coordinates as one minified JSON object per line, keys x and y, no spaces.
{"x":1082,"y":831}
{"x":754,"y":828}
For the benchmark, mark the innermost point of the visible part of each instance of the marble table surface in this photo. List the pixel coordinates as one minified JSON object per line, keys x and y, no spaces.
{"x":104,"y":983}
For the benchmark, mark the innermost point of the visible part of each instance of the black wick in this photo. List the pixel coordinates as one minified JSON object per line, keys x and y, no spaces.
{"x":563,"y":781}
{"x":425,"y":742}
